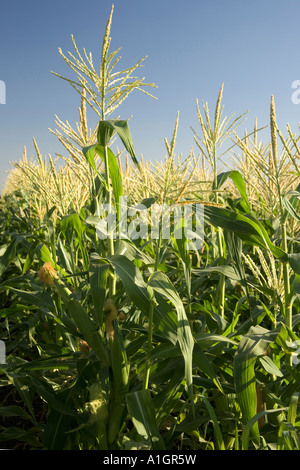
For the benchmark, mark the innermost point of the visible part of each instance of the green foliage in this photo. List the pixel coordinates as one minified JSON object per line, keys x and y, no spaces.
{"x":146,"y":343}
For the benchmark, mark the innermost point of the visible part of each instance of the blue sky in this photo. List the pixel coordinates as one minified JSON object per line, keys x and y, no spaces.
{"x":192,"y":47}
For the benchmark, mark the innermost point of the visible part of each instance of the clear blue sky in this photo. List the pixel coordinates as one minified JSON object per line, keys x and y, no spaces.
{"x":192,"y":46}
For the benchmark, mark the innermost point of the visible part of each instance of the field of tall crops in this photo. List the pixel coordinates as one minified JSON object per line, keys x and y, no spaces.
{"x":151,"y":305}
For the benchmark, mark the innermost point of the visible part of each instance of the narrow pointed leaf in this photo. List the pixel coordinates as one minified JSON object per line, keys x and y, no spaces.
{"x":142,"y":413}
{"x":89,"y":153}
{"x":105,"y":132}
{"x":205,"y":366}
{"x":136,"y":289}
{"x":252,"y":345}
{"x":227,"y":271}
{"x":237,"y":179}
{"x":106,"y":129}
{"x":161,"y":284}
{"x":57,"y":425}
{"x":98,"y":278}
{"x":290,"y":201}
{"x":7,"y":257}
{"x":217,"y":430}
{"x":114,"y":171}
{"x":247,"y":228}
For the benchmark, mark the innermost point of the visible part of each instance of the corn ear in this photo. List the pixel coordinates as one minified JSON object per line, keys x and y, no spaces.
{"x":98,"y":409}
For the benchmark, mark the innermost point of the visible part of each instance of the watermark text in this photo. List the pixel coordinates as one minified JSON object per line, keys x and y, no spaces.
{"x":2,"y":353}
{"x":180,"y":222}
{"x":2,"y":92}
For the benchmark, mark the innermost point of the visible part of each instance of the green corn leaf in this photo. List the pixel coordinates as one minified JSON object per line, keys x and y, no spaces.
{"x":253,"y":422}
{"x":16,"y":309}
{"x":44,"y":254}
{"x":235,"y":247}
{"x":54,"y":436}
{"x":247,"y":228}
{"x":136,"y":289}
{"x":131,"y":277}
{"x":166,"y":402}
{"x":38,"y":298}
{"x":45,"y":391}
{"x":227,"y":271}
{"x":88,"y":329}
{"x":8,"y":255}
{"x":184,"y":257}
{"x":105,"y":132}
{"x":269,"y":366}
{"x":237,"y":179}
{"x":292,"y":412}
{"x":63,"y":256}
{"x":290,"y":201}
{"x":161,"y":284}
{"x":296,"y":284}
{"x":89,"y":153}
{"x":98,"y":279}
{"x":70,"y":225}
{"x":114,"y":172}
{"x":20,"y":382}
{"x":30,"y":257}
{"x":205,"y":366}
{"x":28,"y":436}
{"x":108,"y":127}
{"x":142,"y":413}
{"x":252,"y":345}
{"x":126,"y":247}
{"x":217,"y":430}
{"x":72,"y":228}
{"x":287,"y":438}
{"x":85,"y":325}
{"x":61,"y":362}
{"x":205,"y":340}
{"x":14,"y":410}
{"x":294,"y":261}
{"x":246,"y":391}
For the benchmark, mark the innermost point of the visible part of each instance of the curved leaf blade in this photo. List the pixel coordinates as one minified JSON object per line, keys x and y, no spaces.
{"x":161,"y":284}
{"x":106,"y":129}
{"x":142,"y":413}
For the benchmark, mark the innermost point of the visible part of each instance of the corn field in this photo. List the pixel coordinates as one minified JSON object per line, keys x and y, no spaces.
{"x":140,"y":342}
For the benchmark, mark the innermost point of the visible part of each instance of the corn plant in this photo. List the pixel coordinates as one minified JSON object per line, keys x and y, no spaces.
{"x":213,"y":137}
{"x":143,"y":343}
